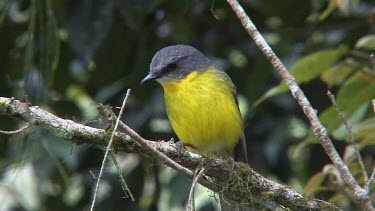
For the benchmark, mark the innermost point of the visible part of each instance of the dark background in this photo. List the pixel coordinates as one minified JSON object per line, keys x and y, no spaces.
{"x":68,"y":56}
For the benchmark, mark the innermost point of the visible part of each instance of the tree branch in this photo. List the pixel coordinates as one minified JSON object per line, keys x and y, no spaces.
{"x":15,"y":131}
{"x":359,"y":194}
{"x":242,"y":185}
{"x":108,"y":151}
{"x":352,"y":139}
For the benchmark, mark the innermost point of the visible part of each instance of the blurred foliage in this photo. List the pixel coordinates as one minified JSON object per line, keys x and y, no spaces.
{"x":68,"y":56}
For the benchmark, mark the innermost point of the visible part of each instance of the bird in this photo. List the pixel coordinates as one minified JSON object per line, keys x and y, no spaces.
{"x":200,"y":101}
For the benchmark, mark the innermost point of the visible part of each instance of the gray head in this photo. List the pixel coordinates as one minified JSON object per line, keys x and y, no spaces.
{"x":175,"y":62}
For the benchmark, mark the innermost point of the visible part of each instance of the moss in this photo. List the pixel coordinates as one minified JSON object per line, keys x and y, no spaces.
{"x":7,"y":108}
{"x":246,"y":186}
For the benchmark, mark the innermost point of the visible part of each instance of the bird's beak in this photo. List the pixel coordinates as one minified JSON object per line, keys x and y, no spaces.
{"x":149,"y":77}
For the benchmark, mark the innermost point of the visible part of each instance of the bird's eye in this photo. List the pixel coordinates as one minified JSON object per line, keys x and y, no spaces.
{"x":171,"y":65}
{"x":168,"y":68}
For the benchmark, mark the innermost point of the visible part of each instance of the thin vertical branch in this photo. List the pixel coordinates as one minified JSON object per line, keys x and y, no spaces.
{"x":108,"y":150}
{"x":372,"y":176}
{"x":348,"y":128}
{"x":124,"y":186}
{"x":371,"y":179}
{"x":372,"y":58}
{"x":197,"y":174}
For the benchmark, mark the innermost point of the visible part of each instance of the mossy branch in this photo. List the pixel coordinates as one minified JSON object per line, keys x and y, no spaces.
{"x":242,"y":185}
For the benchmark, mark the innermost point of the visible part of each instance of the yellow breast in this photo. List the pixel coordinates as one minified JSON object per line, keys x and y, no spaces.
{"x":203,"y":112}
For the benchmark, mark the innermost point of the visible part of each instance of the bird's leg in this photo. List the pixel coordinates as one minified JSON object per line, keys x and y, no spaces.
{"x":232,"y":163}
{"x":180,"y":147}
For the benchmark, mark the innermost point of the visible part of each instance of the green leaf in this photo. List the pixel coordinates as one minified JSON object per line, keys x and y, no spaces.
{"x":337,"y":74}
{"x":4,"y":6}
{"x":339,"y":199}
{"x":343,"y":6}
{"x":364,"y":125}
{"x":50,"y":43}
{"x":83,"y":100}
{"x":356,"y":91}
{"x":359,"y":89}
{"x":270,"y":93}
{"x":330,"y":8}
{"x":298,"y":150}
{"x":355,"y":2}
{"x":306,"y":69}
{"x":341,"y":132}
{"x":365,"y":132}
{"x":366,"y":43}
{"x":350,"y":154}
{"x":368,"y":139}
{"x":299,"y":154}
{"x":314,"y":184}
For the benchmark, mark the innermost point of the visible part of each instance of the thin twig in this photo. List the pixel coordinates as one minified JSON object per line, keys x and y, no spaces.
{"x":93,"y":175}
{"x":372,"y":58}
{"x":349,"y":129}
{"x":124,"y":186}
{"x":319,"y":130}
{"x":15,"y":131}
{"x":191,"y":203}
{"x":371,"y":179}
{"x":108,"y":150}
{"x":166,"y":160}
{"x":212,"y":10}
{"x":358,"y":54}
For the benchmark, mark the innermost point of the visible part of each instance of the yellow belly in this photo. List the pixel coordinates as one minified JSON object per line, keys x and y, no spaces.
{"x":203,"y":112}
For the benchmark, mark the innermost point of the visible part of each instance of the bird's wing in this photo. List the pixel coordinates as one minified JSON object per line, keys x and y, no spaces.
{"x":240,"y":152}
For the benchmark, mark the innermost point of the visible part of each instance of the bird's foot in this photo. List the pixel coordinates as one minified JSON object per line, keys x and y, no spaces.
{"x":232,"y":164}
{"x":171,"y":141}
{"x":180,"y":147}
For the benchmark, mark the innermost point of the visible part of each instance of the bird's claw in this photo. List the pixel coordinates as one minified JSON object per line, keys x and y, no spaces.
{"x":232,"y":164}
{"x":180,"y":147}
